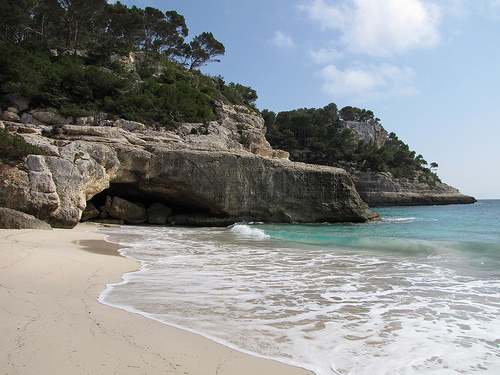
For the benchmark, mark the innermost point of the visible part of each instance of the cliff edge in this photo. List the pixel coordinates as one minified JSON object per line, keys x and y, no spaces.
{"x":214,"y":173}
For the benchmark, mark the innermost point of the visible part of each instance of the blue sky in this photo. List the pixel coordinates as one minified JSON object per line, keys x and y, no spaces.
{"x":430,"y":69}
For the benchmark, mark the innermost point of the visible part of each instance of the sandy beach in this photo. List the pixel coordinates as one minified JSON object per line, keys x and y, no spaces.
{"x":52,"y":323}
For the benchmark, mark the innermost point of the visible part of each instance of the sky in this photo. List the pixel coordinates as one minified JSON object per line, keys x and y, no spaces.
{"x":429,"y":69}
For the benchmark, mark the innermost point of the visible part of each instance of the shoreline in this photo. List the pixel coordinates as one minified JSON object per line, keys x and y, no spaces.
{"x":54,"y":323}
{"x":102,"y":296}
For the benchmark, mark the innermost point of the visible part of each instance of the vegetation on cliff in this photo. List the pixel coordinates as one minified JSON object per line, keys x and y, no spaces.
{"x":14,"y":148}
{"x":85,"y":57}
{"x":82,"y":57}
{"x":316,"y":136}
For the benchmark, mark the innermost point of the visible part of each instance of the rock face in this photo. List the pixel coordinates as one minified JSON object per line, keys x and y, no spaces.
{"x":382,"y":189}
{"x":221,"y":172}
{"x":12,"y":219}
{"x":368,"y":132}
{"x":91,"y":212}
{"x":132,"y":213}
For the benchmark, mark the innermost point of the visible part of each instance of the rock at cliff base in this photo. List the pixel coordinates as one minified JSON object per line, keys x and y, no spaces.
{"x":50,"y":118}
{"x":90,"y":212}
{"x":10,"y":116}
{"x":130,"y":126}
{"x":158,"y":214}
{"x":119,"y":208}
{"x":12,"y":219}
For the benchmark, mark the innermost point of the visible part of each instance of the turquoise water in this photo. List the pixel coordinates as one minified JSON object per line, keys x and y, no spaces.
{"x":471,"y":231}
{"x":469,"y":224}
{"x":415,"y":293}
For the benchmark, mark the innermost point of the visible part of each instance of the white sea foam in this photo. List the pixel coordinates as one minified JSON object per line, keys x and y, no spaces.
{"x":247,"y":231}
{"x":398,"y":219}
{"x":335,"y":312}
{"x":410,"y":219}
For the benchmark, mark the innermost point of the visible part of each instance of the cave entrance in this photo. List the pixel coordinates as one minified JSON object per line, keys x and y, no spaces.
{"x":126,"y":204}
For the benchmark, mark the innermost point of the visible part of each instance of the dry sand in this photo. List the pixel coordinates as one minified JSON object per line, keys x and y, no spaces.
{"x":51,"y":322}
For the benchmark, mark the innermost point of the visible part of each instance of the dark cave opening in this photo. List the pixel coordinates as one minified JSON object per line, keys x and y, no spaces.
{"x":126,"y":204}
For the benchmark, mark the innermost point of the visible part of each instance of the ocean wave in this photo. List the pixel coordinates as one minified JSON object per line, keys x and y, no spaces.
{"x":246,"y":231}
{"x":328,"y":308}
{"x":398,"y":219}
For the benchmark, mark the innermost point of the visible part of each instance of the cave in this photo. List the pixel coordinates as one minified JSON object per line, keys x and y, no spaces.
{"x":126,"y":204}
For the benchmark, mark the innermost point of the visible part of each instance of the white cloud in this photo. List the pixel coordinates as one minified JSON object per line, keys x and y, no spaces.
{"x":379,"y":27}
{"x":282,"y":40}
{"x":325,"y":55}
{"x":368,"y":80}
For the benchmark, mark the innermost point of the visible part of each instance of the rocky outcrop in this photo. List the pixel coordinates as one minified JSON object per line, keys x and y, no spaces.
{"x":12,"y":219}
{"x":91,"y":212}
{"x":225,"y":172}
{"x":237,"y":128}
{"x":367,"y":132}
{"x":122,"y":209}
{"x":382,"y":189}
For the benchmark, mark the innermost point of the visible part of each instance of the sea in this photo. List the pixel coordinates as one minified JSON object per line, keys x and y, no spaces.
{"x":417,"y":292}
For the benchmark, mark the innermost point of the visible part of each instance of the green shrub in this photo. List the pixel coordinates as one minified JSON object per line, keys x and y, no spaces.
{"x":13,"y":148}
{"x":78,"y":87}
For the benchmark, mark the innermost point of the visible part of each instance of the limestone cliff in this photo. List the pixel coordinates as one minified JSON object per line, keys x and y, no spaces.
{"x":220,"y":172}
{"x":383,"y":189}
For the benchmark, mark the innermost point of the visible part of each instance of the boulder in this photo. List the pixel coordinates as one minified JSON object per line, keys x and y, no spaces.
{"x":12,"y":219}
{"x":131,"y":126}
{"x":119,"y":208}
{"x":280,"y":154}
{"x":50,"y":118}
{"x":13,"y":110}
{"x":158,"y":214}
{"x":10,"y":116}
{"x":90,"y":212}
{"x":27,"y":118}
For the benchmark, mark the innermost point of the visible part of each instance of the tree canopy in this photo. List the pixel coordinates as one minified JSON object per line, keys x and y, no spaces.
{"x":95,"y":27}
